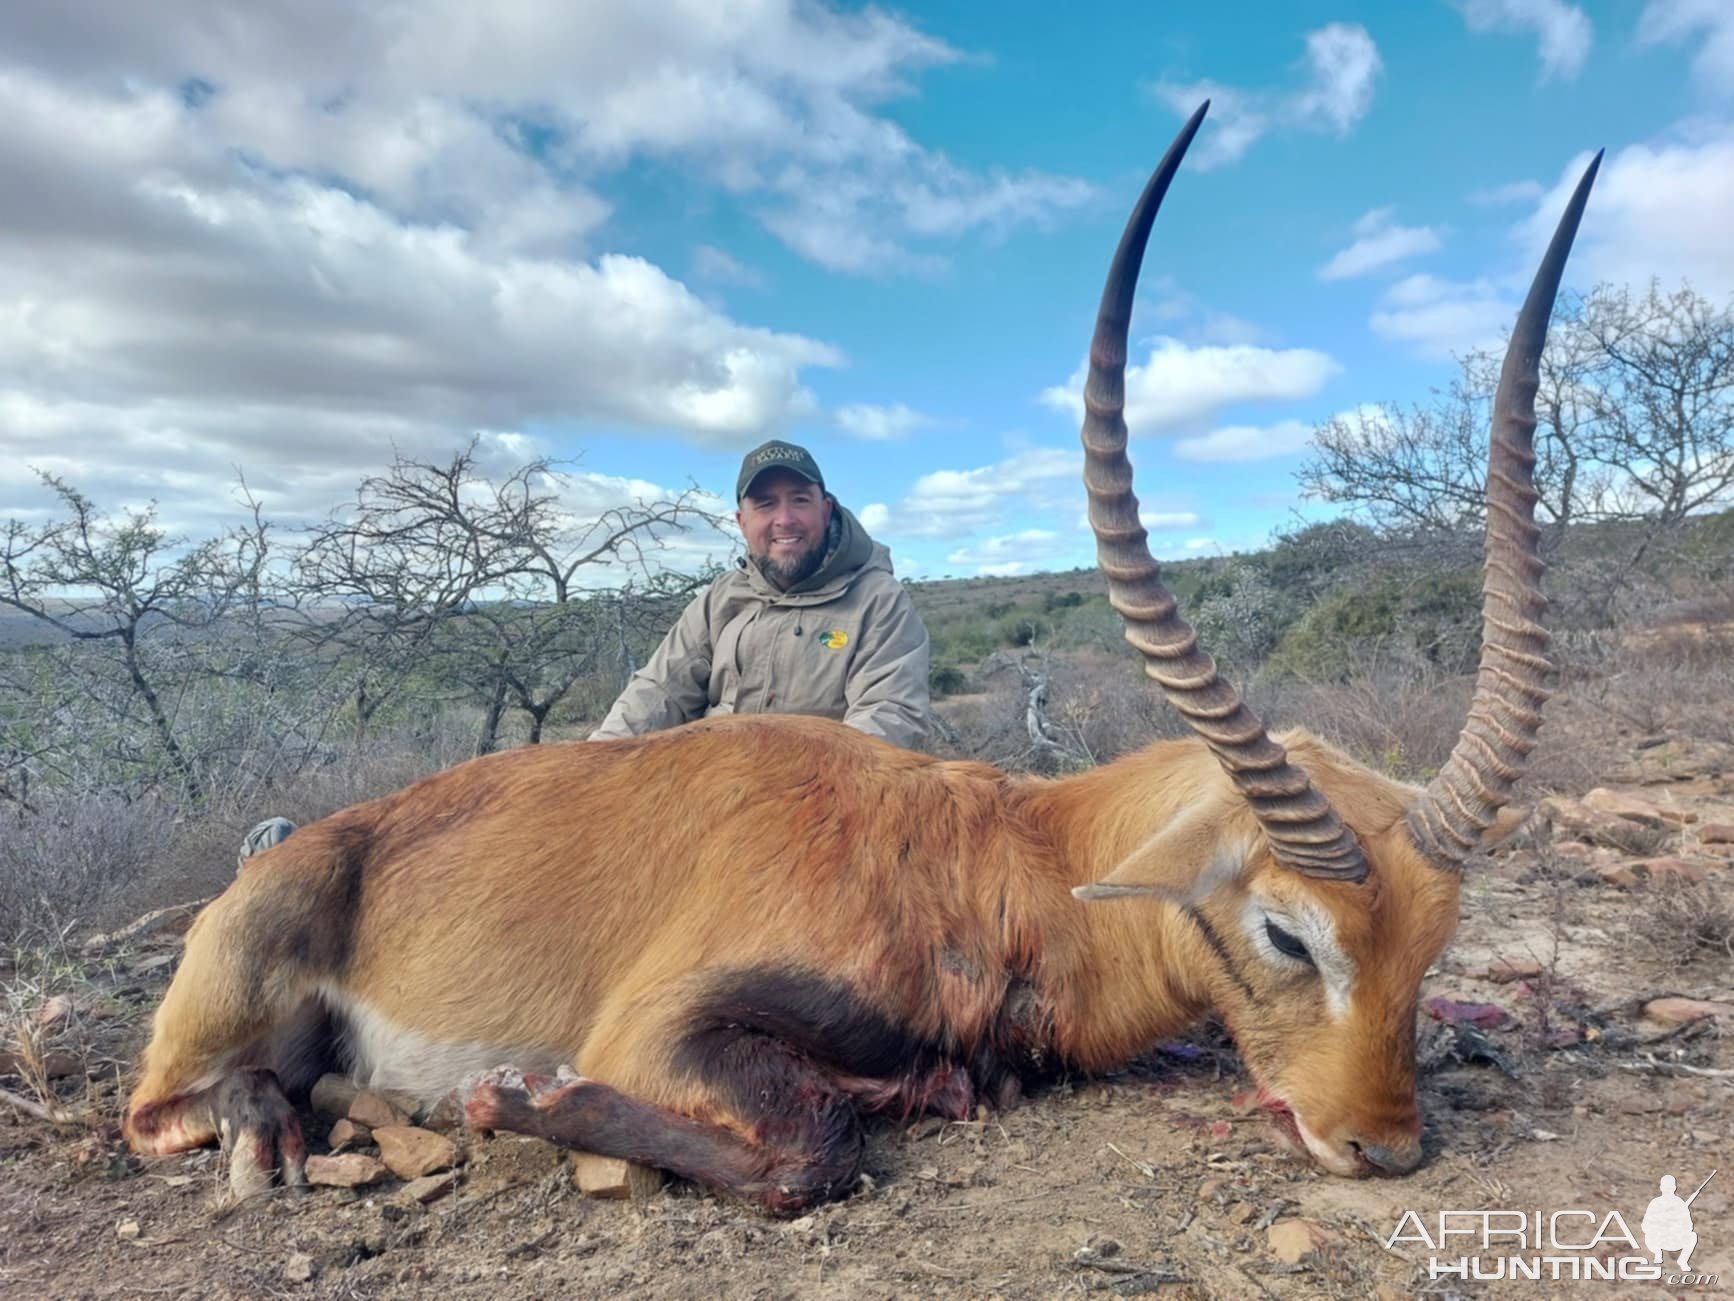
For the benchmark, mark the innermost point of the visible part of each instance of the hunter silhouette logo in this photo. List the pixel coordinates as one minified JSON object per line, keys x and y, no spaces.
{"x":1668,"y":1222}
{"x":1574,"y":1243}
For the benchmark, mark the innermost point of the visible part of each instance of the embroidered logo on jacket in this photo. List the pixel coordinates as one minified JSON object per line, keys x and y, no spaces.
{"x":836,"y":639}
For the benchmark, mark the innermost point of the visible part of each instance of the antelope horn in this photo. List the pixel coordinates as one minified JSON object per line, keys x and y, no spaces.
{"x":1304,"y":833}
{"x":1505,"y":714}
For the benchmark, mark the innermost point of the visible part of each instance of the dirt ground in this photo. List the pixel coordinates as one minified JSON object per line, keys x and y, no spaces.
{"x":1152,"y":1182}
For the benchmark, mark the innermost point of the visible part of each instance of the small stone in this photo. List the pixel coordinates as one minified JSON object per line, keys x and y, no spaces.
{"x":54,"y":1013}
{"x":1619,"y":874}
{"x":1211,"y":1190}
{"x":1242,"y":1212}
{"x":1502,"y":971}
{"x":1620,"y":805}
{"x":410,"y":1153}
{"x":429,"y":1188}
{"x":1573,"y":820}
{"x":1638,"y":1106}
{"x":350,"y":1170}
{"x":377,"y":1112}
{"x":298,"y":1268}
{"x":1292,"y":1240}
{"x":332,"y":1096}
{"x":346,"y":1134}
{"x":1678,"y":1011}
{"x":610,"y":1177}
{"x":1660,"y":870}
{"x":127,"y":1230}
{"x":1716,"y":833}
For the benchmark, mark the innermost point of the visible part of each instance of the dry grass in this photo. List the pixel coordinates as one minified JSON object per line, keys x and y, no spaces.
{"x":1683,"y":923}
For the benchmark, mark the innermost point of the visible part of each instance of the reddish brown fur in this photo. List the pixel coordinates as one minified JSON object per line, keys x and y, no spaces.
{"x":575,"y":903}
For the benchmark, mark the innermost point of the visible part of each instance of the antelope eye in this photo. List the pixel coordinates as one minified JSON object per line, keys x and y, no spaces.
{"x":1286,"y":943}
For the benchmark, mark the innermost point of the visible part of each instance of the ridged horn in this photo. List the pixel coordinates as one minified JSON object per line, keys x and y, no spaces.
{"x":1303,"y":831}
{"x":1459,"y":804}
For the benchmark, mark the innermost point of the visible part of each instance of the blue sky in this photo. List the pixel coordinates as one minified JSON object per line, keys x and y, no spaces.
{"x":291,"y":241}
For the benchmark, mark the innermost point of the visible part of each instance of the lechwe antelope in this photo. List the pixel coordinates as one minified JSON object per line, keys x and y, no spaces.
{"x":713,"y":949}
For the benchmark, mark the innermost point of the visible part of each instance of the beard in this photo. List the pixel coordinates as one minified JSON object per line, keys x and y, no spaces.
{"x":784,"y":574}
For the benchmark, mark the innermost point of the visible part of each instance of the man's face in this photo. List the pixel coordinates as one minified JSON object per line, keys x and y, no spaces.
{"x":784,"y":518}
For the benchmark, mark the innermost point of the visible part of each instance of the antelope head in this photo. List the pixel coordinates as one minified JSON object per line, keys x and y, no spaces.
{"x":1335,"y":888}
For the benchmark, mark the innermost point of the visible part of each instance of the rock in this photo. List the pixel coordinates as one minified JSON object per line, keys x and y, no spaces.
{"x":346,"y":1134}
{"x":54,"y":1013}
{"x":298,"y":1268}
{"x":1211,"y":1190}
{"x":161,"y":923}
{"x":127,"y":1230}
{"x":1579,"y":822}
{"x":1658,"y":871}
{"x":333,"y":1095}
{"x":1619,"y":874}
{"x":1620,"y":805}
{"x":410,"y":1153}
{"x":607,"y":1176}
{"x":429,"y":1188}
{"x":1292,"y":1240}
{"x":377,"y":1112}
{"x":1678,"y":1011}
{"x":350,"y":1170}
{"x":1716,"y":833}
{"x":1679,"y":817}
{"x":1503,"y":971}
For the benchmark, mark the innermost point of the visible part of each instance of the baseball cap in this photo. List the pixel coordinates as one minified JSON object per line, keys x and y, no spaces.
{"x":777,"y":455}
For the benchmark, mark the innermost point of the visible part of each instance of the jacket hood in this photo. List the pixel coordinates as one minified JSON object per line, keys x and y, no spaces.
{"x":851,"y":551}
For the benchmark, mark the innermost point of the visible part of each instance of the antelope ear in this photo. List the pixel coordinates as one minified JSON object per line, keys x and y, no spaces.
{"x":1182,"y":863}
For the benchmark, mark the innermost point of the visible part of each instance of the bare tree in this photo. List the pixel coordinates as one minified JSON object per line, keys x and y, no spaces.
{"x":138,"y":599}
{"x":486,"y":581}
{"x":1635,"y":424}
{"x":1664,"y":402}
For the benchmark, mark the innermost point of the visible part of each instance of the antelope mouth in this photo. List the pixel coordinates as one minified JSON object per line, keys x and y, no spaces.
{"x":1303,"y":1142}
{"x":1283,"y":1118}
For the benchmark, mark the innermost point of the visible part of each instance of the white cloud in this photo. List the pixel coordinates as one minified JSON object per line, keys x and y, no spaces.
{"x":1675,"y":21}
{"x":1511,"y":192}
{"x":342,"y":229}
{"x":1658,"y":210}
{"x":1379,"y":241}
{"x":1165,"y":521}
{"x":956,"y":503}
{"x":1564,"y":30}
{"x":1179,"y":387}
{"x":1246,"y":442}
{"x":1343,"y":64}
{"x":878,"y":424}
{"x":713,"y":264}
{"x":1443,"y":318}
{"x":1015,"y":553}
{"x":1342,"y":68}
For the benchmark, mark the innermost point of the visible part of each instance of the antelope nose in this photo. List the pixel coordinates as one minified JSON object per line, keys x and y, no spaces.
{"x":1391,"y":1160}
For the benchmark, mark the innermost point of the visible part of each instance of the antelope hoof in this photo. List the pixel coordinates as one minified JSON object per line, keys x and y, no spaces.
{"x":261,"y":1133}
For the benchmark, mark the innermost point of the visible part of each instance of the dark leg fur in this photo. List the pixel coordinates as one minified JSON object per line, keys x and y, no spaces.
{"x":807,"y":1153}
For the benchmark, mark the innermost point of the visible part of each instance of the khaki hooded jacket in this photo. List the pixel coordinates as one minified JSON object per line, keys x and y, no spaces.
{"x":845,"y":643}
